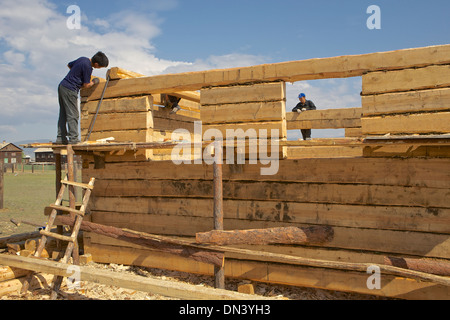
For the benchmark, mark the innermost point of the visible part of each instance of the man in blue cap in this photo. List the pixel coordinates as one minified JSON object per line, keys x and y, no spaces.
{"x":304,"y":105}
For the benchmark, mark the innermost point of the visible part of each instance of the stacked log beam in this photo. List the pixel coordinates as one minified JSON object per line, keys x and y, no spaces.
{"x":411,"y":101}
{"x":246,"y":112}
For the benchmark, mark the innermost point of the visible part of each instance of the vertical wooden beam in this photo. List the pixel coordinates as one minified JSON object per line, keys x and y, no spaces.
{"x":58,"y":179}
{"x":1,"y":184}
{"x":219,"y":272}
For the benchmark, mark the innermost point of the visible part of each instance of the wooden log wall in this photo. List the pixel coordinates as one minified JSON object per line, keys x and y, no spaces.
{"x":378,"y":205}
{"x":408,"y":101}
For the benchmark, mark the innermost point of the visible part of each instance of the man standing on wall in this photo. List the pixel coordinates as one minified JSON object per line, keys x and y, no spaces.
{"x":304,"y":105}
{"x":78,"y":77}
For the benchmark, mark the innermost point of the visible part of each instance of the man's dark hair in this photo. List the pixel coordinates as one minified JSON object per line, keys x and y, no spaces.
{"x":101,"y":59}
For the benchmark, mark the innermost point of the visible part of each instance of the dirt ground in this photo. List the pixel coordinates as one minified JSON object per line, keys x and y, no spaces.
{"x":94,"y":291}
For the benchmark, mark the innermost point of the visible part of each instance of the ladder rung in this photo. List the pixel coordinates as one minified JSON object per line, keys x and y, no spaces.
{"x":62,"y":208}
{"x":56,"y":236}
{"x":77,"y":184}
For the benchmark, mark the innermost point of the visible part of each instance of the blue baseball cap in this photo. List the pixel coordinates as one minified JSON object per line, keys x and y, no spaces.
{"x":301,"y":95}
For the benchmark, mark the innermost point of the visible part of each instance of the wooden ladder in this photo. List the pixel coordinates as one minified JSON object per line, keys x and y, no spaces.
{"x":53,"y":209}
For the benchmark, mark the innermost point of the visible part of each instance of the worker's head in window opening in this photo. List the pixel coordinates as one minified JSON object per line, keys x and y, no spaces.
{"x":99,"y":60}
{"x":302,"y":97}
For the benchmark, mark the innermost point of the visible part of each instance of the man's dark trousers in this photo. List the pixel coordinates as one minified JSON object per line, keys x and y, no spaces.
{"x":68,"y":115}
{"x":306,"y":133}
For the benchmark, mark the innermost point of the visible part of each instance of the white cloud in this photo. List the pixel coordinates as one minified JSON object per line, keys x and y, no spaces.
{"x":36,"y":45}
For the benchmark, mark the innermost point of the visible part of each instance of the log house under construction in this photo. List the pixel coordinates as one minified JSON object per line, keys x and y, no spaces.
{"x":384,"y":189}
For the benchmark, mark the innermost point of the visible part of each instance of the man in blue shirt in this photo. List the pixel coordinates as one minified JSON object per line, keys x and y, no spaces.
{"x":78,"y":77}
{"x":304,"y":105}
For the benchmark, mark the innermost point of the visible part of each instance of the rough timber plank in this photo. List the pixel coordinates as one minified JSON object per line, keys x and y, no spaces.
{"x":438,"y":122}
{"x":324,"y":119}
{"x":406,"y":80}
{"x":328,"y":279}
{"x":156,"y":286}
{"x":432,"y":173}
{"x":119,"y":121}
{"x":143,"y":135}
{"x":242,"y":129}
{"x":244,"y":112}
{"x":261,"y":92}
{"x":360,"y":194}
{"x":407,"y":150}
{"x":404,"y":102}
{"x":392,"y":241}
{"x":122,"y":105}
{"x":324,"y":152}
{"x":322,"y":68}
{"x":374,"y":217}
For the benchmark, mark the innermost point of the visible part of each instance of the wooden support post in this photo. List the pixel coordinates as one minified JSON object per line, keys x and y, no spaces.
{"x":72,"y":197}
{"x":1,"y":184}
{"x":219,"y":272}
{"x":57,"y":188}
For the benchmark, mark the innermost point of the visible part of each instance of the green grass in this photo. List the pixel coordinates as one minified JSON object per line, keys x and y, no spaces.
{"x":25,"y":197}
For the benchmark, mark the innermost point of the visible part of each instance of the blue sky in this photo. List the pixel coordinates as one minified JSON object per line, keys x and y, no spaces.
{"x":169,"y":36}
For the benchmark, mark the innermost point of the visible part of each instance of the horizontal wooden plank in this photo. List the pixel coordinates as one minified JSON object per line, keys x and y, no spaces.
{"x":324,"y":152}
{"x":123,"y":105}
{"x":404,"y":102}
{"x":144,"y":135}
{"x":429,"y":123}
{"x":324,"y":119}
{"x":246,"y":129}
{"x":118,"y":121}
{"x":432,"y":173}
{"x":261,"y":92}
{"x":392,"y":241}
{"x":406,"y":80}
{"x":257,"y":111}
{"x":407,"y":150}
{"x":360,"y":216}
{"x":281,"y":191}
{"x":327,"y":279}
{"x":135,"y":282}
{"x":321,"y":68}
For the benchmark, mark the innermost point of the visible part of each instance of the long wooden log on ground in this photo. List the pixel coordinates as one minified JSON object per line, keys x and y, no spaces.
{"x":8,"y":273}
{"x":157,"y":243}
{"x":20,"y":237}
{"x":156,"y":286}
{"x":282,"y":235}
{"x":428,"y":266}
